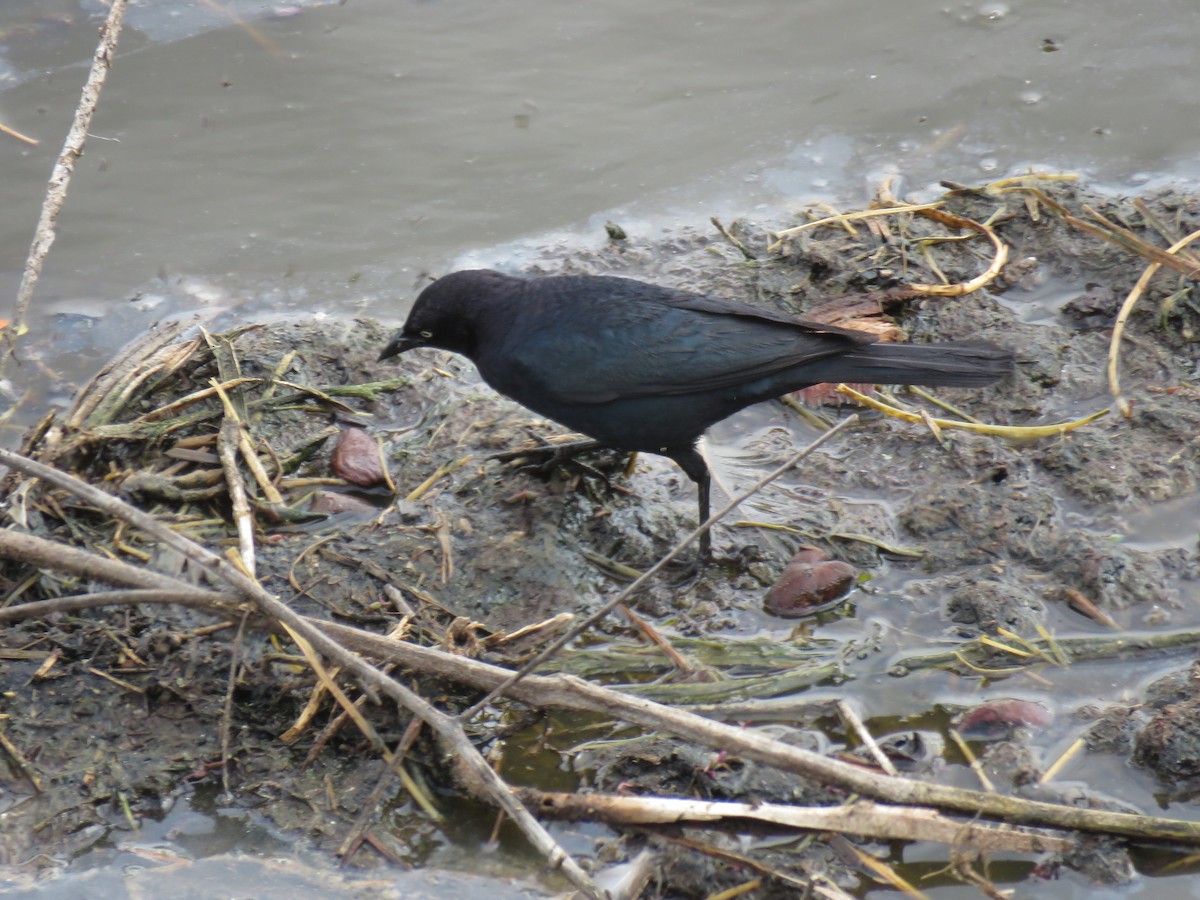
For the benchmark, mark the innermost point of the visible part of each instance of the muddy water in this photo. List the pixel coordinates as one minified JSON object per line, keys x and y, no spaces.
{"x":324,"y":159}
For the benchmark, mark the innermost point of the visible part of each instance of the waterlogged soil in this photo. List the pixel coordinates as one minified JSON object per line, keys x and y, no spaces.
{"x":113,"y":714}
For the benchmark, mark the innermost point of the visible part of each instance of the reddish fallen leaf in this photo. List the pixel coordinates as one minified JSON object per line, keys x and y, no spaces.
{"x":828,"y":395}
{"x":806,"y":586}
{"x":862,"y":312}
{"x":998,"y":719}
{"x":356,"y":458}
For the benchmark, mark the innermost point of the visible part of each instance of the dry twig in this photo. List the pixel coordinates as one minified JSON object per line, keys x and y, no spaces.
{"x":60,"y":178}
{"x":1114,"y":347}
{"x":1016,"y":432}
{"x":858,"y":817}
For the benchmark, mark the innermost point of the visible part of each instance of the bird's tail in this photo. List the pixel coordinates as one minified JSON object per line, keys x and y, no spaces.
{"x":957,"y":364}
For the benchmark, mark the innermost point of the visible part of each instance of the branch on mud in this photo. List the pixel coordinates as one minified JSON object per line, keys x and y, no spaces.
{"x":858,"y":817}
{"x":197,"y":599}
{"x":46,"y":554}
{"x":227,"y":441}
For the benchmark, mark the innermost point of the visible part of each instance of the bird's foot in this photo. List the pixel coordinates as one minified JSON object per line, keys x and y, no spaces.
{"x":547,"y":456}
{"x":545,"y":459}
{"x":680,"y":572}
{"x":683,"y":573}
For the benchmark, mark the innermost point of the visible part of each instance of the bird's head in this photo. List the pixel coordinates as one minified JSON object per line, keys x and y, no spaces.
{"x":446,"y":314}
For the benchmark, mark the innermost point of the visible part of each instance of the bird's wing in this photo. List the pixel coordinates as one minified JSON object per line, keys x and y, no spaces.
{"x":688,"y":344}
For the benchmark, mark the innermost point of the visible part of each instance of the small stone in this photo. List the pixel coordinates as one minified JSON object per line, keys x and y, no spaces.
{"x":356,"y":458}
{"x":805,"y":587}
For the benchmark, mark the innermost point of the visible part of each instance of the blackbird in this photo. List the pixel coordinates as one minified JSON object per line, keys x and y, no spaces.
{"x":642,"y":367}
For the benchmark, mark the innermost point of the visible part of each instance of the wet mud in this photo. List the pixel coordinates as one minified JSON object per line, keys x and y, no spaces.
{"x":116,"y":712}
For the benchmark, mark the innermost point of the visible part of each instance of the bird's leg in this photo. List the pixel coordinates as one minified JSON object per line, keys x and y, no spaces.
{"x":694,"y":466}
{"x":704,"y":490}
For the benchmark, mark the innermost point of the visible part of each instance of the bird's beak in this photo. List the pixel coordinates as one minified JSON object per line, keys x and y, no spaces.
{"x":397,"y":345}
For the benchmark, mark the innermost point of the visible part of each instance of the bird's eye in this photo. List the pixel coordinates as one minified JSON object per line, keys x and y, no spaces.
{"x":426,"y":334}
